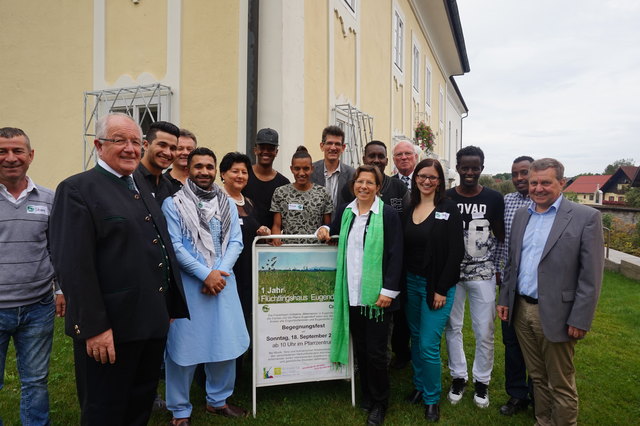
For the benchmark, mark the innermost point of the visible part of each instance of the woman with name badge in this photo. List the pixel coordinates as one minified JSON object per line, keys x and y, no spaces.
{"x":234,"y":171}
{"x":434,"y":247}
{"x":302,"y":206}
{"x":368,"y":272}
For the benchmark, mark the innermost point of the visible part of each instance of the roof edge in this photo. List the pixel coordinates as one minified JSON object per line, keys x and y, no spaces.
{"x":451,"y":7}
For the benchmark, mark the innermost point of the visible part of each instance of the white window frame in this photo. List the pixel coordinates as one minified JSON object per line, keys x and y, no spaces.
{"x":415,"y":68}
{"x":351,"y":5}
{"x":428,"y":83}
{"x":398,"y":40}
{"x":441,"y":107}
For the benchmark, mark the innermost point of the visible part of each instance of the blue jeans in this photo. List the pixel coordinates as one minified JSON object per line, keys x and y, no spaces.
{"x":31,"y":327}
{"x":426,"y":328}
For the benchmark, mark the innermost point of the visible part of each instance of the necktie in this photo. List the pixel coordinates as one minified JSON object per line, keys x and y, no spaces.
{"x":406,"y":180}
{"x":130,"y":184}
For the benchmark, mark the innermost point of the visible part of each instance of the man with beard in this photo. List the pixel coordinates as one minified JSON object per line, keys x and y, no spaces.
{"x":515,"y":371}
{"x":205,"y":231}
{"x":160,"y":146}
{"x":179,"y":173}
{"x":113,"y":256}
{"x":263,"y":178}
{"x":482,"y":212}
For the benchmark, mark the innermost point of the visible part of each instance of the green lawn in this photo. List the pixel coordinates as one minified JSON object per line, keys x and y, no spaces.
{"x":608,"y":372}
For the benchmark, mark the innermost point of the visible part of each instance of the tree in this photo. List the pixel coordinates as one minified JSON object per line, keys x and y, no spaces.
{"x":503,"y":176}
{"x":611,"y":168}
{"x":571,"y":196}
{"x":632,"y":197}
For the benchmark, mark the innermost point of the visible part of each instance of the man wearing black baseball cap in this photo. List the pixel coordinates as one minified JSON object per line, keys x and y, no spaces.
{"x":263,"y":178}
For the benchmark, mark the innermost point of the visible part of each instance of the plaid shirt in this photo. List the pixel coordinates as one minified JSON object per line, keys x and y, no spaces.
{"x":512,"y":202}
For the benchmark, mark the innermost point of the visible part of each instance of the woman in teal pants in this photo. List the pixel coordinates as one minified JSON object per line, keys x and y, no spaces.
{"x":433,"y":247}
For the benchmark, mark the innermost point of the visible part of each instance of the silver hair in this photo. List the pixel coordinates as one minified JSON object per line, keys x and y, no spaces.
{"x":416,"y":148}
{"x":103,"y":122}
{"x":548,"y":163}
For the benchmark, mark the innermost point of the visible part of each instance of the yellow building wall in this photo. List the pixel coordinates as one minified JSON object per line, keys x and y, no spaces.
{"x":136,"y":39}
{"x":344,"y":56}
{"x":375,"y":92}
{"x":316,"y":75}
{"x":47,"y":65}
{"x":210,"y":72}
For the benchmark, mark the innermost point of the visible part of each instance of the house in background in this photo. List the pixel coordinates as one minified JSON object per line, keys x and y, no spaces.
{"x":618,"y":184}
{"x":588,"y":188}
{"x":224,"y":69}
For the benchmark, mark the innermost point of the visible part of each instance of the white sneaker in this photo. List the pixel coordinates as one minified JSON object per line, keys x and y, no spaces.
{"x":457,"y":390}
{"x":481,"y":395}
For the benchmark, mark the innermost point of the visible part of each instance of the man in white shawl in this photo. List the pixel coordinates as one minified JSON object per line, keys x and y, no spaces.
{"x":205,"y":232}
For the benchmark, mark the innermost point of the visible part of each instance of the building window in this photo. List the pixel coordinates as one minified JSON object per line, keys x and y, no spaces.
{"x":416,"y":69}
{"x":427,"y":85}
{"x":591,"y":197}
{"x":611,"y":198}
{"x":398,"y":39}
{"x":351,"y":4}
{"x":621,"y":199}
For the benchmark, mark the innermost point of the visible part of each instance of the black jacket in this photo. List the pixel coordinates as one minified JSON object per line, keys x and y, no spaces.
{"x":107,"y":249}
{"x":444,"y":249}
{"x":392,"y":256}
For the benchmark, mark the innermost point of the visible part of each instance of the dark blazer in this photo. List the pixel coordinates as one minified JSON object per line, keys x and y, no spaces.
{"x":569,"y":272}
{"x":444,"y":249}
{"x":110,"y":249}
{"x":392,"y":256}
{"x":345,"y":176}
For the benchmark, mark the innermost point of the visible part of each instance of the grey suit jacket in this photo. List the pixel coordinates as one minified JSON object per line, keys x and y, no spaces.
{"x":345,"y":176}
{"x":569,"y":272}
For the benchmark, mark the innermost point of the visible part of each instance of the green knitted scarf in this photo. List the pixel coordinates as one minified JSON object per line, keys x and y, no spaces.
{"x":371,"y":282}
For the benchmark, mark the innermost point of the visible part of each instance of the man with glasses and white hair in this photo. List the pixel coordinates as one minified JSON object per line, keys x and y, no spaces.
{"x":405,"y":158}
{"x":113,"y":257}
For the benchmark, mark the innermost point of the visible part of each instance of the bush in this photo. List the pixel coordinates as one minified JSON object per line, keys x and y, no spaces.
{"x":625,"y":237}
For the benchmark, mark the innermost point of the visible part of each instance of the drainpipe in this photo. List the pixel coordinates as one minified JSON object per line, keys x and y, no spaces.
{"x":252,"y":76}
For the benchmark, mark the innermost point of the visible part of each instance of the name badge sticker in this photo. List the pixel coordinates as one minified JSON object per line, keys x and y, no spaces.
{"x":241,"y":221}
{"x":442,"y":215}
{"x":477,"y":215}
{"x":38,"y":210}
{"x":296,"y":206}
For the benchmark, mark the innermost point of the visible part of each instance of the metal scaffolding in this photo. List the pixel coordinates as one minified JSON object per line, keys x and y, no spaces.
{"x":358,"y":129}
{"x":145,"y":104}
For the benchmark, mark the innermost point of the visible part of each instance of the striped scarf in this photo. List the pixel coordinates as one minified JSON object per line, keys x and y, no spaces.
{"x":197,"y":207}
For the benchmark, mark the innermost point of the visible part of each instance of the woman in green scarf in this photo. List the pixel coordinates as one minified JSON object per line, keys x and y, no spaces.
{"x":369,"y":268}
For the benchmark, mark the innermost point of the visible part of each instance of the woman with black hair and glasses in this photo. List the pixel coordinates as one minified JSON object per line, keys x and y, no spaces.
{"x":433,"y":247}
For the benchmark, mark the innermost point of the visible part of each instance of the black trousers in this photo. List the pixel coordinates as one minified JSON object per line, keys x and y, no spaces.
{"x":515,"y":370}
{"x":120,"y":393}
{"x":401,"y":336}
{"x":370,"y":337}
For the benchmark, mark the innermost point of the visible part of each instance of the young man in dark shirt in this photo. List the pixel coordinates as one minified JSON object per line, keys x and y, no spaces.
{"x":482,"y":212}
{"x":263,"y":178}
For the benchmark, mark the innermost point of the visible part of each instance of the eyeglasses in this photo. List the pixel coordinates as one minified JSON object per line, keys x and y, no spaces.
{"x":422,"y":178}
{"x":404,"y":154}
{"x":123,"y":142}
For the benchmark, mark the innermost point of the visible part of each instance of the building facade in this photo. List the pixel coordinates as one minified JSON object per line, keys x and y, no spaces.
{"x":226,"y":69}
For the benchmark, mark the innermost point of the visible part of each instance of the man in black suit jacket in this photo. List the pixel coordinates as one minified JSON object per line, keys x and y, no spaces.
{"x":113,"y":256}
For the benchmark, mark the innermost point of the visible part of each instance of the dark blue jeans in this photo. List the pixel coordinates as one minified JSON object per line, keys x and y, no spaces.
{"x":515,"y":370}
{"x":31,"y":327}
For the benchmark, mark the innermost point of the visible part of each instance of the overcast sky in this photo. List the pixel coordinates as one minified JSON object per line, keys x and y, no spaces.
{"x":552,"y":78}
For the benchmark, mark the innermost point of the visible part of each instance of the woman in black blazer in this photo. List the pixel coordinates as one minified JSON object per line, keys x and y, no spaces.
{"x":433,"y":247}
{"x":369,"y":270}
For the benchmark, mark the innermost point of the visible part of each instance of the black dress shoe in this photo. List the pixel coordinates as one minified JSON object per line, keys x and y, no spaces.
{"x":365,"y":405}
{"x":513,"y":405}
{"x":376,"y":415}
{"x":432,"y":412}
{"x":414,"y":397}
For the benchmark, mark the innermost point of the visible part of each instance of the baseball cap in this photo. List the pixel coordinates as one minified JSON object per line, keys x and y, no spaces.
{"x":267,"y":136}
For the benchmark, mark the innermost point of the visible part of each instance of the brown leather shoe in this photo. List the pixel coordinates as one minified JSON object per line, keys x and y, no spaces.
{"x":180,"y":422}
{"x":228,"y":410}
